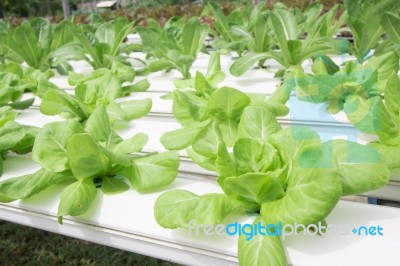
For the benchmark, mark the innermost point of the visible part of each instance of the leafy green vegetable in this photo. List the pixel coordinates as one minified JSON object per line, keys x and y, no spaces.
{"x":37,"y":43}
{"x":174,"y":46}
{"x":293,"y":51}
{"x":13,"y":136}
{"x":271,"y":172}
{"x":361,"y":168}
{"x":197,"y":110}
{"x":365,"y":19}
{"x":16,"y":79}
{"x":87,"y":155}
{"x":104,"y":45}
{"x":356,"y":89}
{"x":102,"y":87}
{"x":234,"y":32}
{"x":205,"y":111}
{"x":50,"y":150}
{"x":318,"y":190}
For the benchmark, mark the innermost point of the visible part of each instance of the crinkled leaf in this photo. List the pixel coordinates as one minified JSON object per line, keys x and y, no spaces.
{"x":177,"y":208}
{"x":228,"y":103}
{"x":361,"y":168}
{"x":255,"y":156}
{"x":255,"y":187}
{"x":311,"y":195}
{"x":371,"y":116}
{"x":257,"y":122}
{"x":261,"y":249}
{"x":292,"y":142}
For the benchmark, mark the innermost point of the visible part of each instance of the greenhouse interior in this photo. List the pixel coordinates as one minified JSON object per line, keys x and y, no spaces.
{"x":252,"y":133}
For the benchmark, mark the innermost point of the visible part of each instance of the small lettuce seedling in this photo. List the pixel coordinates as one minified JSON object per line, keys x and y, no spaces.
{"x":86,"y":155}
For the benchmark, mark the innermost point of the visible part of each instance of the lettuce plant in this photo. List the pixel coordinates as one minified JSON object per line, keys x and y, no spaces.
{"x":293,"y":51}
{"x":5,"y":53}
{"x":212,"y":77}
{"x":232,"y":32}
{"x":103,"y":45}
{"x":35,"y":43}
{"x":391,"y":25}
{"x":15,"y":80}
{"x":12,"y":87}
{"x":13,"y":136}
{"x":283,"y":176}
{"x":174,"y":46}
{"x":357,"y":90}
{"x":365,"y":19}
{"x":86,"y":156}
{"x":257,"y":38}
{"x":368,"y":94}
{"x":196,"y":109}
{"x":102,"y":87}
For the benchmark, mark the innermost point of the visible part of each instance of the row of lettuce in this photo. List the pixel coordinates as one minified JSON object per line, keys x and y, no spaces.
{"x":281,"y":175}
{"x":289,"y":36}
